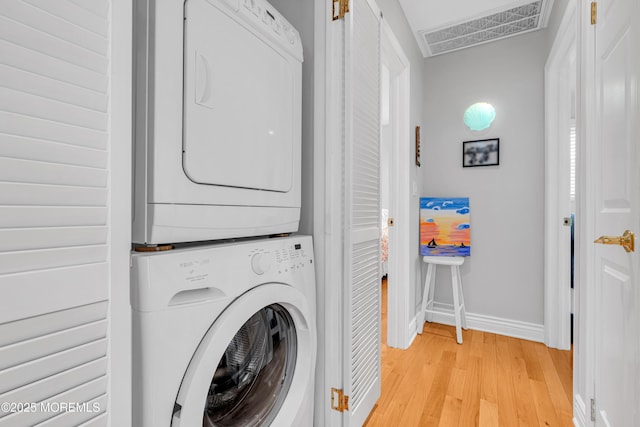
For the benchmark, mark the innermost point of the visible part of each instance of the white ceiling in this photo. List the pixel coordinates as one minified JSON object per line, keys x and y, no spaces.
{"x":483,"y":20}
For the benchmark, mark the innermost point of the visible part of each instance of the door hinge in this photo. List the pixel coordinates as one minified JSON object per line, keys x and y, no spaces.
{"x":340,"y":8}
{"x":339,"y":401}
{"x":593,"y":409}
{"x":594,"y":12}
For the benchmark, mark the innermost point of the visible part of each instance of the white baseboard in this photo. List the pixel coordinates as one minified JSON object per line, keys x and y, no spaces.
{"x":579,"y":411}
{"x":412,"y":332}
{"x":443,"y":313}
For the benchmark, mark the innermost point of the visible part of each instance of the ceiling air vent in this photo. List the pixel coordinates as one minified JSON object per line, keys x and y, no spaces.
{"x":496,"y":26}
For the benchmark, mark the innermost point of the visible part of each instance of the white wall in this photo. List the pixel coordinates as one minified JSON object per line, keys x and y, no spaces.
{"x":555,"y":18}
{"x":504,"y":276}
{"x":301,"y":15}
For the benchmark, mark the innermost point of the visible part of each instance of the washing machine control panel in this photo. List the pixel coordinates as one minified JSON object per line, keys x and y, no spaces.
{"x":280,"y":260}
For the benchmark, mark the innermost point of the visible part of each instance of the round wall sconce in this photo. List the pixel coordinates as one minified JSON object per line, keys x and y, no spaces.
{"x":479,"y":116}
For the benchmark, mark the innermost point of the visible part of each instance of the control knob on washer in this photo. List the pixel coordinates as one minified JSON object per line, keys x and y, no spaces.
{"x":261,"y":262}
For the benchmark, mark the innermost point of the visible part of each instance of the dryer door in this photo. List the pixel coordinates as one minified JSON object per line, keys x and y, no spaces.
{"x":241,"y":96}
{"x":254,"y":365}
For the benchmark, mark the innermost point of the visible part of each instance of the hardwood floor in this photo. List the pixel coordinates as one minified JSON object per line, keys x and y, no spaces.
{"x":489,"y":380}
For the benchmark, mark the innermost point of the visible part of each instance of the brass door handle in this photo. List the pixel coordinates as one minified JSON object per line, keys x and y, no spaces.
{"x":627,"y":241}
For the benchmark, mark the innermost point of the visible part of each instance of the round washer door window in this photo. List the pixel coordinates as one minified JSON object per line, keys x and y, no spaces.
{"x":251,"y":364}
{"x":253,"y":377}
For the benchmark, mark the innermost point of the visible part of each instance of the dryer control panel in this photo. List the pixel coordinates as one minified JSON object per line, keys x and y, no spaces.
{"x":271,"y":22}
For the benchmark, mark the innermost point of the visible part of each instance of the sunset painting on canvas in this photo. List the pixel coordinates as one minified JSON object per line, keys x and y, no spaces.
{"x":445,"y":229}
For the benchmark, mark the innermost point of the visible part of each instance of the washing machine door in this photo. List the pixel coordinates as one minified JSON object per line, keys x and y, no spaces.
{"x":254,"y":364}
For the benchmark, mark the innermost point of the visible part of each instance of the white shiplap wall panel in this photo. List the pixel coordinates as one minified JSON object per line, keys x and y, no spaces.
{"x":54,"y":231}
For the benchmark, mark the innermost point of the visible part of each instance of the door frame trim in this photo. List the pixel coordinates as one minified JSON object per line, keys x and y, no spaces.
{"x":400,"y":322}
{"x":327,"y":207}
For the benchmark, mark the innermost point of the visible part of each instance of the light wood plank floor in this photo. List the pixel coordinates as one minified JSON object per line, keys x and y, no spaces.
{"x":489,"y":380}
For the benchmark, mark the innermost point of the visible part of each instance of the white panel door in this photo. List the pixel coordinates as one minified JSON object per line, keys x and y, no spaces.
{"x":617,"y":197}
{"x":362,"y":380}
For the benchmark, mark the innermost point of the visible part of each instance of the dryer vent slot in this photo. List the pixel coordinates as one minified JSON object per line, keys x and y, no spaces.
{"x":196,"y":295}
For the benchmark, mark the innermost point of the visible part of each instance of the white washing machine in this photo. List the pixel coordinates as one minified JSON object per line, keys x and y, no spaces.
{"x":217,"y":121}
{"x":225,"y":335}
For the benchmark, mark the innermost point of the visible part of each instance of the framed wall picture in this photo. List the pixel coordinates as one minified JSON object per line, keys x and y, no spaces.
{"x":484,"y":152}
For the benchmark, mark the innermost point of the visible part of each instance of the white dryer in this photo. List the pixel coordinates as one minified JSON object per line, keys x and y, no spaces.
{"x":217,"y":121}
{"x":225,"y":335}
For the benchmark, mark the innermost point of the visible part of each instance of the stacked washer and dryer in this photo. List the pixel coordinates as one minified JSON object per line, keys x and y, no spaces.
{"x":224,"y":321}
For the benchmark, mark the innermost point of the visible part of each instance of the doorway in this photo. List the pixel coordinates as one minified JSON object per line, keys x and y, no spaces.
{"x":395,"y":154}
{"x":560,"y":194}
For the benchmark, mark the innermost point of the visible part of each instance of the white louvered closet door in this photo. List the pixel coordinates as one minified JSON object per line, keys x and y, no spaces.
{"x":54,"y":175}
{"x":362,"y":204}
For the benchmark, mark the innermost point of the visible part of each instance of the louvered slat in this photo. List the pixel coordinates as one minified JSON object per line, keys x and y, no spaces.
{"x":43,"y":346}
{"x":35,"y":370}
{"x":18,"y":147}
{"x":22,"y":239}
{"x":55,"y":384}
{"x":48,"y":66}
{"x":32,"y":327}
{"x":25,"y":261}
{"x":81,"y":393}
{"x":21,"y":194}
{"x":34,"y":14}
{"x":100,"y":9}
{"x":99,"y":421}
{"x":90,"y":417}
{"x":27,"y":126}
{"x":38,"y":172}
